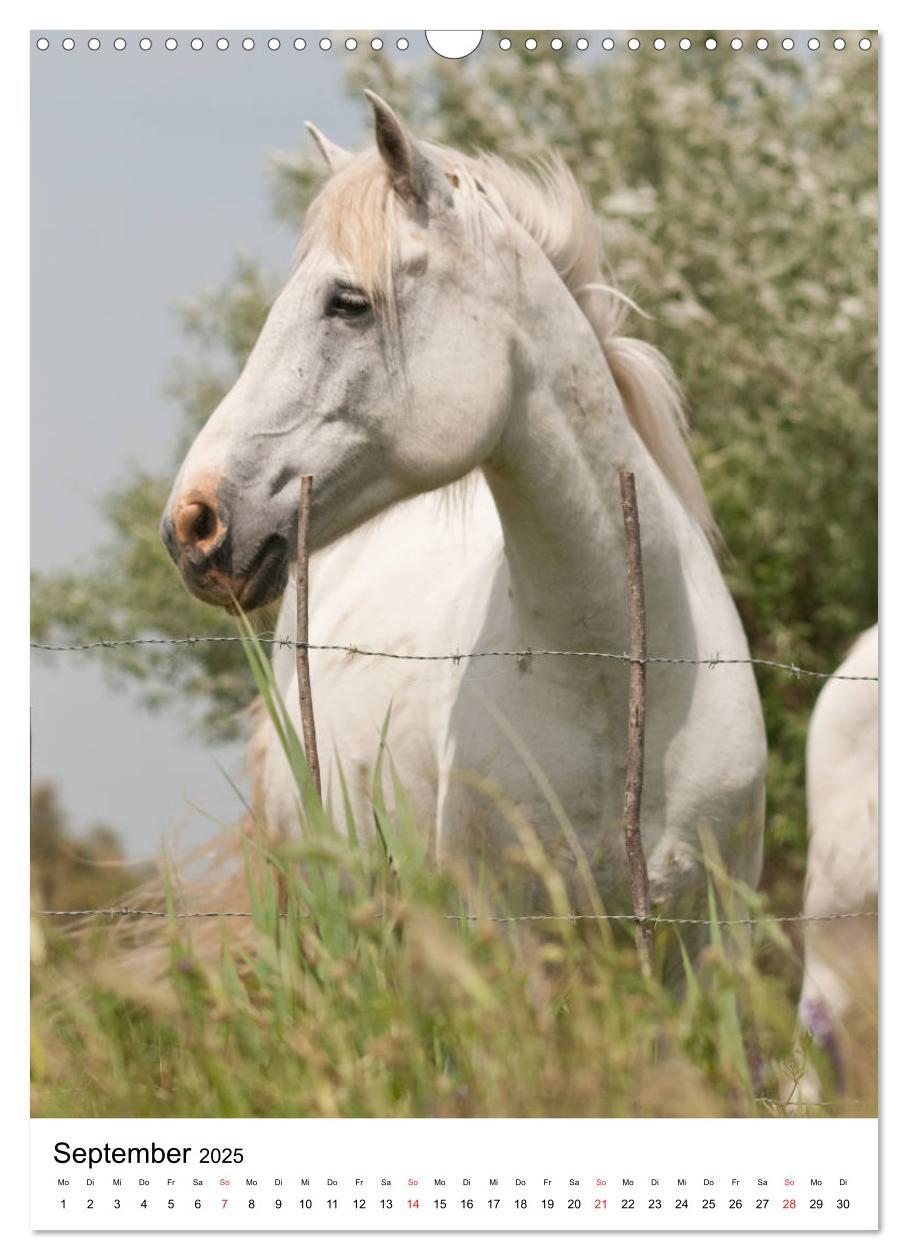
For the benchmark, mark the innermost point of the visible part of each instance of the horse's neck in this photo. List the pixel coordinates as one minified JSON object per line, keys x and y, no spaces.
{"x":555,"y":482}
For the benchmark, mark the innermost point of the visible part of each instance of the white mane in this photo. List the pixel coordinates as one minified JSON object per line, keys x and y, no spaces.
{"x":358,"y":211}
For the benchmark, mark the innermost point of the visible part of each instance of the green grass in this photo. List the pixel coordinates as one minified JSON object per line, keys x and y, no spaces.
{"x":374,"y":995}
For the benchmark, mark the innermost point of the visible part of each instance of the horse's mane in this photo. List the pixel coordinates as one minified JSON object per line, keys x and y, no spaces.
{"x":358,"y":211}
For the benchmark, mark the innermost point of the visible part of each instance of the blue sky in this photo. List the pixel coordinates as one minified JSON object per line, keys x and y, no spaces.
{"x":147,"y":179}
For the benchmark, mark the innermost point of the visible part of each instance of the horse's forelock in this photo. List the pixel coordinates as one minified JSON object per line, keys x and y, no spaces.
{"x":355,"y":217}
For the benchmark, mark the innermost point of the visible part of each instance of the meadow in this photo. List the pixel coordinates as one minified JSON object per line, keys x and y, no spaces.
{"x":388,"y":988}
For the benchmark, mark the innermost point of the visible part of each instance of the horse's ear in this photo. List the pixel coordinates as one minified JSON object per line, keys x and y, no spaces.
{"x":334,"y":155}
{"x":414,"y":176}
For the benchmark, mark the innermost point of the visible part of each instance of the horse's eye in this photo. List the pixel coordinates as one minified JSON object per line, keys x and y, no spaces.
{"x":348,"y":304}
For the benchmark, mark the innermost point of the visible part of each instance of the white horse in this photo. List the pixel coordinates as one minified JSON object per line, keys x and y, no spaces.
{"x":840,"y":955}
{"x":447,"y":316}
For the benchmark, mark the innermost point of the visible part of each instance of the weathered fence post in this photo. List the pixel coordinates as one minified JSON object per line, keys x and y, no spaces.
{"x":636,"y":721}
{"x":307,"y":715}
{"x":302,"y":632}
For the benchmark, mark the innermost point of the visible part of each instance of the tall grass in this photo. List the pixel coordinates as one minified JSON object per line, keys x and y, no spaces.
{"x":386,"y":988}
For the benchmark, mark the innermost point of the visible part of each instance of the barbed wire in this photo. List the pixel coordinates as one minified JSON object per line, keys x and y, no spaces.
{"x":191,"y":640}
{"x":127,"y":912}
{"x":122,"y":912}
{"x":803,"y":1102}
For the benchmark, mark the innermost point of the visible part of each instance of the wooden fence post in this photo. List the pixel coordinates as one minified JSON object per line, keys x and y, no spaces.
{"x":636,"y":722}
{"x":302,"y":633}
{"x":307,"y":715}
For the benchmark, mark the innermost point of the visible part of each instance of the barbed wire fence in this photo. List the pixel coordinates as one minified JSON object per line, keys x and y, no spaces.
{"x":268,"y":639}
{"x":637,"y":660}
{"x":352,"y":649}
{"x":653,"y":920}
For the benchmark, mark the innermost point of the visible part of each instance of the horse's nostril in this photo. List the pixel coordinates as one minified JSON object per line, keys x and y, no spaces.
{"x":204,"y":525}
{"x":196,"y":522}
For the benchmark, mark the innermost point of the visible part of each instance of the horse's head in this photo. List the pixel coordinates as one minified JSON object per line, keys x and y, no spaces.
{"x":384,"y":368}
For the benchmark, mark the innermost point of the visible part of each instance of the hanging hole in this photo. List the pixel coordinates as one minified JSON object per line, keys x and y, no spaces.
{"x":452,"y":44}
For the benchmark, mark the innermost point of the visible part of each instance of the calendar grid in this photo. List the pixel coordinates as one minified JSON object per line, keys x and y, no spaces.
{"x":461,"y":1175}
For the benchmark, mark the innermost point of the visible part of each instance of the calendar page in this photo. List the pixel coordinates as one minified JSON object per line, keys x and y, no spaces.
{"x":455,"y":679}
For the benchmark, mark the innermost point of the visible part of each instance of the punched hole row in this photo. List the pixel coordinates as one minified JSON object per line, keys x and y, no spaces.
{"x":402,"y":44}
{"x":659,"y":44}
{"x":222,"y":43}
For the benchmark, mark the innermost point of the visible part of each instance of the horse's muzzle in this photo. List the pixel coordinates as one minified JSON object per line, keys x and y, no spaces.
{"x":196,"y":534}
